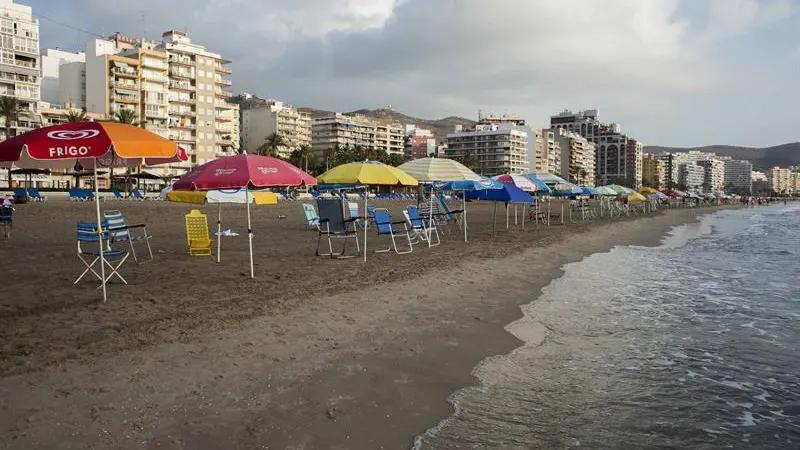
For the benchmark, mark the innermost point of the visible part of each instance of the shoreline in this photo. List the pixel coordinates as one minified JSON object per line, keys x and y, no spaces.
{"x":365,"y":369}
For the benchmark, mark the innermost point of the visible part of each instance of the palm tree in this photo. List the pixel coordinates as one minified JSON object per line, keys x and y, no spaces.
{"x":75,"y":115}
{"x":583,"y":174}
{"x":10,"y":110}
{"x":126,"y":115}
{"x":305,"y":152}
{"x":272,"y":145}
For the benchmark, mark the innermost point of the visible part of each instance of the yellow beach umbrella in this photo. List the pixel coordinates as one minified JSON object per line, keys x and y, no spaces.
{"x":368,"y":173}
{"x":636,"y":197}
{"x":647,"y":190}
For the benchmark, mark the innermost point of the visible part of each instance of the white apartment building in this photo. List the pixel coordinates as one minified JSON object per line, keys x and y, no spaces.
{"x":261,"y":119}
{"x":691,"y":176}
{"x":552,"y":162}
{"x":618,"y":157}
{"x":493,"y":119}
{"x":796,"y":182}
{"x":341,"y":130}
{"x":52,"y":61}
{"x":490,"y":149}
{"x":20,"y":72}
{"x":780,"y":180}
{"x":713,"y":174}
{"x":739,"y":174}
{"x":197,"y":94}
{"x":577,"y":156}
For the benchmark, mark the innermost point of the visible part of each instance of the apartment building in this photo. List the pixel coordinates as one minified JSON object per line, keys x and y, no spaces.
{"x":713,"y":174}
{"x":618,"y":156}
{"x":654,"y":170}
{"x":20,"y":75}
{"x":262,"y":118}
{"x":341,"y":130}
{"x":780,"y":180}
{"x":691,"y":176}
{"x":795,"y":183}
{"x":52,"y":60}
{"x":537,"y":157}
{"x":738,"y":174}
{"x":418,"y":143}
{"x":490,"y":149}
{"x":197,"y":94}
{"x":492,"y":119}
{"x":577,"y":156}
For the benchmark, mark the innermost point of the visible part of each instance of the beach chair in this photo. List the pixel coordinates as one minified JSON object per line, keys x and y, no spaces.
{"x":420,"y":227}
{"x":36,"y":195}
{"x":385,"y":227}
{"x":137,"y":195}
{"x":312,"y":219}
{"x":333,"y":225}
{"x":449,"y":215}
{"x":7,"y":219}
{"x":88,"y":235}
{"x":20,"y":196}
{"x":117,"y":194}
{"x":119,"y":231}
{"x":352,"y":208}
{"x":197,"y":239}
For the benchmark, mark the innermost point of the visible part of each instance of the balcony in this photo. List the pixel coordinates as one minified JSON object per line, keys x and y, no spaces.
{"x":181,"y":61}
{"x":182,"y":112}
{"x":154,"y":63}
{"x":119,"y":71}
{"x":181,"y":137}
{"x":223,"y":94}
{"x":221,"y":118}
{"x":122,"y":85}
{"x":185,"y":100}
{"x":173,"y":72}
{"x":126,"y":98}
{"x":156,"y":114}
{"x":181,"y":86}
{"x":223,"y":69}
{"x":188,"y":126}
{"x":223,"y":81}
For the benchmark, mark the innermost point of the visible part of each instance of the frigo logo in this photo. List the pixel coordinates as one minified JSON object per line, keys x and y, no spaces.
{"x":72,"y":135}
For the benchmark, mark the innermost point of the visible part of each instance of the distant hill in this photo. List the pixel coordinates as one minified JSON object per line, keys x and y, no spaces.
{"x":440,"y":128}
{"x":763,"y":158}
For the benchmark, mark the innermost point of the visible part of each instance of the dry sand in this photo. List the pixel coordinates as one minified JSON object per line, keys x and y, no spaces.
{"x":313,"y":353}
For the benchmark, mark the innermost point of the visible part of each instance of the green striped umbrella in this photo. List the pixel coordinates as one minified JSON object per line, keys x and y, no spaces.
{"x":428,"y":170}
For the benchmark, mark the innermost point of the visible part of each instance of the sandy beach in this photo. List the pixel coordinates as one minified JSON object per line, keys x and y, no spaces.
{"x":313,"y":353}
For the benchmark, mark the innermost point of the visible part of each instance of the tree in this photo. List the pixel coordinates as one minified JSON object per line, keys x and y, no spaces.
{"x":125,"y":115}
{"x":10,"y":110}
{"x":75,"y":115}
{"x":272,"y":145}
{"x":395,"y":160}
{"x":583,"y":174}
{"x":469,"y":160}
{"x":305,"y":152}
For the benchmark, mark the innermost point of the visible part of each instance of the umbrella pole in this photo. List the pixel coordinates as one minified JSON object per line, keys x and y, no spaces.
{"x":464,"y":213}
{"x":100,"y":234}
{"x":429,"y":231}
{"x":494,"y":220}
{"x":249,"y":230}
{"x":507,"y":216}
{"x":523,"y":215}
{"x":366,"y":218}
{"x":219,"y":230}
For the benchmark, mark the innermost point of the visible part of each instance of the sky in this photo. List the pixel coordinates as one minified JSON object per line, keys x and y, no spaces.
{"x":672,"y":72}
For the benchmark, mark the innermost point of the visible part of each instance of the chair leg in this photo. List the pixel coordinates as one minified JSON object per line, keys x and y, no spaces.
{"x":89,"y":268}
{"x":434,"y":231}
{"x":115,"y":270}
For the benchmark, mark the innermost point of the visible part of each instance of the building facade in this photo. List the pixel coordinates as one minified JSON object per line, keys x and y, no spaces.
{"x":490,"y":149}
{"x":780,"y":180}
{"x":713,"y":174}
{"x":654,"y":171}
{"x":738,"y":175}
{"x":52,"y":60}
{"x":691,"y":176}
{"x":577,"y":156}
{"x":343,"y":131}
{"x":418,"y":143}
{"x":20,"y":71}
{"x":262,"y":119}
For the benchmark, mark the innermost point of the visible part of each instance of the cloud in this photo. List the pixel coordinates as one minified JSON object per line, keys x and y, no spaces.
{"x":652,"y":65}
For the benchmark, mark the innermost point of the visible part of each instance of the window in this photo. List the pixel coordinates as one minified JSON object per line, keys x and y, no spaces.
{"x":201,"y":73}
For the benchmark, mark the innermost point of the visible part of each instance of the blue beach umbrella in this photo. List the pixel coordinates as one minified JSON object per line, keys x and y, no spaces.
{"x":585,"y":190}
{"x":506,"y":194}
{"x":482,"y":183}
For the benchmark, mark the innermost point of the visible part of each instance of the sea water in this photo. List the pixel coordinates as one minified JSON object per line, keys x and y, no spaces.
{"x":692,"y":344}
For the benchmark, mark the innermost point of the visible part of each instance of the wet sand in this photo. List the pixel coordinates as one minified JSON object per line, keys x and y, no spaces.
{"x":313,"y":353}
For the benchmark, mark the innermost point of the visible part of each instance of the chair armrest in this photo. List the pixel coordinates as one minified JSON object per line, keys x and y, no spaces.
{"x":352,"y":219}
{"x":323,"y":220}
{"x":456,"y":211}
{"x":399,"y":222}
{"x":138,"y":225}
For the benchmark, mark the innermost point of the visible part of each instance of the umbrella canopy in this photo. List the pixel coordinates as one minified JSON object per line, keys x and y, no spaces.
{"x":606,"y":191}
{"x":635,"y":197}
{"x":522,"y":182}
{"x":647,"y":190}
{"x":437,"y":169}
{"x":621,"y":189}
{"x":107,"y":144}
{"x":239,"y":196}
{"x":368,"y":173}
{"x":557,"y":185}
{"x":243,"y":170}
{"x":506,"y":194}
{"x":585,"y":190}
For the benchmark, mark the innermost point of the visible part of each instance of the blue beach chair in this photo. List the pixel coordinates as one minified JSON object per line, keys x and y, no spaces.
{"x":119,"y":231}
{"x":385,"y":227}
{"x":312,"y":219}
{"x":88,"y":235}
{"x":420,"y":227}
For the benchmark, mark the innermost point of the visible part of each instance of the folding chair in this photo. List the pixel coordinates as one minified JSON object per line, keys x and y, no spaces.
{"x":120,"y":232}
{"x":333,"y":225}
{"x":385,"y":226}
{"x":312,"y":219}
{"x":352,"y":208}
{"x":20,"y":196}
{"x":420,"y":227}
{"x":7,"y":219}
{"x":137,"y":195}
{"x":197,"y":239}
{"x":88,"y":234}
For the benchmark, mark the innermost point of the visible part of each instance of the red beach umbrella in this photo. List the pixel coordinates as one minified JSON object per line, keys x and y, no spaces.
{"x":244,"y":171}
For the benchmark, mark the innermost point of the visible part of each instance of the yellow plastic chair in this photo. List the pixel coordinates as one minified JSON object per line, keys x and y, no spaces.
{"x":197,"y":239}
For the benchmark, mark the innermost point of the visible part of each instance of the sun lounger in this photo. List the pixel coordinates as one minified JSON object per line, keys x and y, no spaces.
{"x":121,"y":232}
{"x":198,"y":241}
{"x":333,"y":225}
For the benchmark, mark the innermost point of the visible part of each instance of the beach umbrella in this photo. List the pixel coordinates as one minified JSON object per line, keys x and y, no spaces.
{"x":526,"y":184}
{"x":440,"y":170}
{"x":466,"y":186}
{"x":585,"y":190}
{"x":89,"y":144}
{"x":606,"y":191}
{"x":645,"y":190}
{"x":372,"y":173}
{"x":244,"y":171}
{"x":506,"y":194}
{"x":633,"y":198}
{"x":620,"y":190}
{"x":236,"y":196}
